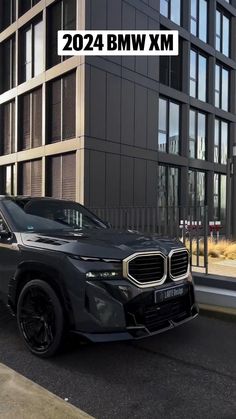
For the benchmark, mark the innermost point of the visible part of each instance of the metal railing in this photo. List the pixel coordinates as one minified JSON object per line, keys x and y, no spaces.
{"x":190,"y":225}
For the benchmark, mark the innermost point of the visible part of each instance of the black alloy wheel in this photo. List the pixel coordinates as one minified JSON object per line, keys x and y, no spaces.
{"x":40,"y":318}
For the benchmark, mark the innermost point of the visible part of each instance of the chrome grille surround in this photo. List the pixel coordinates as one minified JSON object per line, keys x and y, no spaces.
{"x":139,"y":255}
{"x":182,"y":275}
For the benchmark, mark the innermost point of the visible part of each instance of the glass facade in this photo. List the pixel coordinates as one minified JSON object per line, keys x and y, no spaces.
{"x":32,"y":41}
{"x":197,"y":135}
{"x":171,"y":69}
{"x":198,"y":76}
{"x":222,"y":33}
{"x":221,"y":141}
{"x":25,"y":5}
{"x":61,"y":16}
{"x":61,"y":108}
{"x":199,"y":19}
{"x":8,"y":65}
{"x":30,"y":128}
{"x":197,"y":189}
{"x":171,"y":9}
{"x":220,"y":188}
{"x":7,"y":13}
{"x":221,"y":87}
{"x":7,"y":134}
{"x":169,"y":126}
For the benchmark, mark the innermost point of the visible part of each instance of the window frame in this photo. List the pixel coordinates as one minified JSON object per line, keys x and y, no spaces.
{"x":167,"y":132}
{"x":22,"y":50}
{"x":12,"y":121}
{"x":217,"y":210}
{"x":220,"y":92}
{"x":219,"y":146}
{"x":197,"y":79}
{"x":197,"y":20}
{"x":222,"y":32}
{"x":50,"y":108}
{"x":169,"y":11}
{"x":196,"y":133}
{"x":31,"y":120}
{"x":4,"y":25}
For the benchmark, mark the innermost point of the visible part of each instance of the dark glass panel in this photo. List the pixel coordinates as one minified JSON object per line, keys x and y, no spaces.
{"x":69,"y":106}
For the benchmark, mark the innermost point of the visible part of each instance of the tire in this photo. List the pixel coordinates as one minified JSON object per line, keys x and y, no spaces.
{"x":40,"y":318}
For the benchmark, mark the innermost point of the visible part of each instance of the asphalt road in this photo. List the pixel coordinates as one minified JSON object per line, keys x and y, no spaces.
{"x":189,"y":372}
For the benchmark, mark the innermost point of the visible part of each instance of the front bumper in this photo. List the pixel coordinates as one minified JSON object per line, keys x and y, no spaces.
{"x":121,"y":311}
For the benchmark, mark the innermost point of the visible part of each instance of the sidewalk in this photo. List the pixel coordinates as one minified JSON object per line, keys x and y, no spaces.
{"x":20,"y":398}
{"x":219,"y":267}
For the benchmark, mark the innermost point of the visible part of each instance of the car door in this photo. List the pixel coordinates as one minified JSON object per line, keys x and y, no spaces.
{"x":9,"y":256}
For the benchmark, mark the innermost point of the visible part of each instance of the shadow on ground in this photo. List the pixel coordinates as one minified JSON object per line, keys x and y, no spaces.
{"x":189,"y":372}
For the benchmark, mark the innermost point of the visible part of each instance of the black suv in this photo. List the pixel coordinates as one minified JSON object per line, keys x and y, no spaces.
{"x":63,"y":269}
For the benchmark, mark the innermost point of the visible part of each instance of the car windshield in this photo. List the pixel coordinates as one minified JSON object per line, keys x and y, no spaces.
{"x":35,"y":215}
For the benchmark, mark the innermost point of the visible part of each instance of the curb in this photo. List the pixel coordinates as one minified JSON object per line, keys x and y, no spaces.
{"x":22,"y":399}
{"x":216,"y":294}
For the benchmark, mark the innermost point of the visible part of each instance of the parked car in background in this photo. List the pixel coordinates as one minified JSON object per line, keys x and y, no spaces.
{"x":62,"y":269}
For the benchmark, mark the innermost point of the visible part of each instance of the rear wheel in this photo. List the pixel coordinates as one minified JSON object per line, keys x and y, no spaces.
{"x":40,"y":318}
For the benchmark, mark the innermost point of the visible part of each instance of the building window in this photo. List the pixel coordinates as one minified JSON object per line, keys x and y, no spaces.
{"x":25,"y":5}
{"x":198,"y":76}
{"x":222,"y":33}
{"x":221,"y":141}
{"x":30,"y":125}
{"x":171,"y":70}
{"x":8,"y":128}
{"x":169,"y":126}
{"x":197,"y":135}
{"x":7,"y":180}
{"x":197,"y":192}
{"x":221,"y":87}
{"x":199,"y":19}
{"x":168,"y":186}
{"x":61,"y":180}
{"x":61,"y":109}
{"x":220,"y":185}
{"x":30,"y":178}
{"x":31,"y":60}
{"x":7,"y":13}
{"x":171,"y":9}
{"x":8,"y":65}
{"x":61,"y":16}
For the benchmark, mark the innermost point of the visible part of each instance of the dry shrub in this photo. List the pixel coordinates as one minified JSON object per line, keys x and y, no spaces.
{"x":224,"y":249}
{"x":230,"y":251}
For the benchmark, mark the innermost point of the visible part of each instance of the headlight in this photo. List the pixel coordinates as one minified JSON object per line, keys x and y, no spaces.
{"x":94,"y":259}
{"x":103,"y":274}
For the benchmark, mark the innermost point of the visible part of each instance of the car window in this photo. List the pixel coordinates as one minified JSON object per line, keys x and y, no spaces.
{"x":45,"y":215}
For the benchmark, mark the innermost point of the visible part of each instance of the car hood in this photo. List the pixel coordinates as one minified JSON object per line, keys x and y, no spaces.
{"x":107,"y":243}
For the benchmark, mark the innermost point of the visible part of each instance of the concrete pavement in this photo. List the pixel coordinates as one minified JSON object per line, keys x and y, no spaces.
{"x":22,"y":399}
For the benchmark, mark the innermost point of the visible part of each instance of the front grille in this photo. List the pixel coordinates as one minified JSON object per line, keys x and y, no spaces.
{"x":179,"y":264}
{"x":145,"y":269}
{"x":156,"y":317}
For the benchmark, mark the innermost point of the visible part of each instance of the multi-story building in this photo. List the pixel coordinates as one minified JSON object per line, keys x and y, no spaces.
{"x":120,"y":131}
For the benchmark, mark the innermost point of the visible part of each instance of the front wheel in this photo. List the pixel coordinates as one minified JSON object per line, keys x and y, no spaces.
{"x":40,"y":318}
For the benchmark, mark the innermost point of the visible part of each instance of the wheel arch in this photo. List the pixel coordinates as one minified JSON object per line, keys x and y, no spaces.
{"x":33,"y":270}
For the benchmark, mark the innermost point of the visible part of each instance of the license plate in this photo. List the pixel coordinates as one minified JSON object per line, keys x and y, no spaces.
{"x":170,"y":293}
